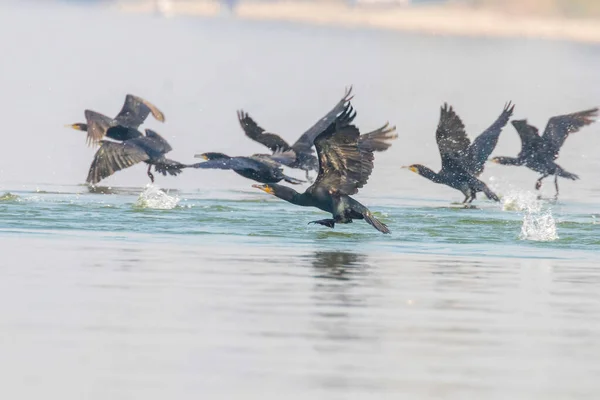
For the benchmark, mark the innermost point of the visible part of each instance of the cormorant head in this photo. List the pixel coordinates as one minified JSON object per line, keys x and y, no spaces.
{"x":519,"y":123}
{"x":266,"y":188}
{"x":78,"y":126}
{"x":212,"y":156}
{"x":495,"y":160}
{"x":416,"y":168}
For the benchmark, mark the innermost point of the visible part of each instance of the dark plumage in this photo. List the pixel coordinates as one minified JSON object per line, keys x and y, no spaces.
{"x":134,"y":112}
{"x":461,"y":160}
{"x":151,"y":149}
{"x":302,"y":149}
{"x":452,"y":137}
{"x":258,"y":168}
{"x":344,"y":167}
{"x":539,"y":152}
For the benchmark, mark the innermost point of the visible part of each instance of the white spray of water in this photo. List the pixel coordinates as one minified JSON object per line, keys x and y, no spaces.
{"x":153,"y":197}
{"x":538,"y":222}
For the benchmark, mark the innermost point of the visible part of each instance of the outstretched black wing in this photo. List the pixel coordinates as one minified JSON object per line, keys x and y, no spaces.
{"x":234,"y":163}
{"x":559,"y":127}
{"x":97,"y":125}
{"x":451,"y":137}
{"x":378,"y":140}
{"x":305,"y":143}
{"x":258,"y":134}
{"x":112,"y":157}
{"x":485,"y":143}
{"x":344,"y":166}
{"x":531,"y":142}
{"x":135,"y":110}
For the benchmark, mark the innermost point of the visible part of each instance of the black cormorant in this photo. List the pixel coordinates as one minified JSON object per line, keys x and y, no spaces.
{"x":462,"y":161}
{"x":134,"y":112}
{"x":259,"y":168}
{"x":151,"y":149}
{"x":304,"y":158}
{"x":344,"y":167}
{"x":539,"y":152}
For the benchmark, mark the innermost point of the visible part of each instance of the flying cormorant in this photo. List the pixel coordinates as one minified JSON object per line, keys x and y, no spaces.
{"x":539,"y":152}
{"x":344,"y":167}
{"x":134,"y":112}
{"x":461,"y":160}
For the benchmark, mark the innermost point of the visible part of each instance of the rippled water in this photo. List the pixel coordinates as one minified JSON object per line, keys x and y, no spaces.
{"x":200,"y":286}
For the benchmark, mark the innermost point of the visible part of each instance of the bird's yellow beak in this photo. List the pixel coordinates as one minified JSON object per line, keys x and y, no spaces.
{"x":265,"y":188}
{"x":74,"y":126}
{"x":494,"y":160}
{"x":413,"y":169}
{"x":202,"y":156}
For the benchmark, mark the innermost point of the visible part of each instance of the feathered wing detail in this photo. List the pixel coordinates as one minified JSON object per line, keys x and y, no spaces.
{"x":343,"y":166}
{"x":559,"y":127}
{"x":159,"y":144}
{"x":450,"y":135}
{"x":97,"y":125}
{"x":379,"y":139}
{"x":375,"y":223}
{"x":166,"y":166}
{"x":135,"y":110}
{"x":274,"y":142}
{"x":484,"y":144}
{"x":531,"y":142}
{"x":305,"y":143}
{"x":112,"y":157}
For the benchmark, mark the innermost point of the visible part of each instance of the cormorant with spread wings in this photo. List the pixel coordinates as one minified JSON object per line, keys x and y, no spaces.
{"x":151,"y":149}
{"x":304,"y":158}
{"x":538,"y":153}
{"x":134,"y":112}
{"x":462,"y":161}
{"x":344,"y":167}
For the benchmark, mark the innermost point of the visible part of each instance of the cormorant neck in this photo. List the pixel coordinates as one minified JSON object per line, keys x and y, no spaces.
{"x":429,"y":174}
{"x":289,"y":194}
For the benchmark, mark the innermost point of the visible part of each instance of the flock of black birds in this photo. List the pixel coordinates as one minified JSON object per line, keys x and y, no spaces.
{"x":344,"y":158}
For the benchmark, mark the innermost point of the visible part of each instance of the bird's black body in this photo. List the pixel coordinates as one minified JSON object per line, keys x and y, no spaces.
{"x":151,"y":149}
{"x":124,"y":126}
{"x":539,"y":153}
{"x":344,"y":167}
{"x":302,"y":149}
{"x":462,"y":161}
{"x":258,"y":168}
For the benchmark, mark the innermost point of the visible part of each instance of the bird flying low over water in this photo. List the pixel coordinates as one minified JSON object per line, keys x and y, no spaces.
{"x":260,"y":168}
{"x":151,"y":149}
{"x":344,"y":167}
{"x":134,"y":112}
{"x":463,"y":161}
{"x":539,"y":152}
{"x":302,"y":149}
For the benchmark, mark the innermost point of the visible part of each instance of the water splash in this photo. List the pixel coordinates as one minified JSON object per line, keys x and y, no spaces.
{"x":9,"y":197}
{"x":538,"y":222}
{"x":153,"y":197}
{"x":521,"y":201}
{"x":539,"y":227}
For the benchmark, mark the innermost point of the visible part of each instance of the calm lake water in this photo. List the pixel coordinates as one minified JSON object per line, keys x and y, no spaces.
{"x":201,"y":286}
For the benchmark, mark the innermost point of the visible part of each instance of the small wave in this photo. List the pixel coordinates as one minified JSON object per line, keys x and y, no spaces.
{"x":539,"y":227}
{"x":153,"y":197}
{"x":9,"y":197}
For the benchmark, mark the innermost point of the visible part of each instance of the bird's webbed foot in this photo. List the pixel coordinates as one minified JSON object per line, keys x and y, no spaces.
{"x":330,"y":223}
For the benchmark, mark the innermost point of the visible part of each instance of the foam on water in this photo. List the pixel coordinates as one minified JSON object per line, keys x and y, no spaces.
{"x":153,"y":197}
{"x":521,"y":201}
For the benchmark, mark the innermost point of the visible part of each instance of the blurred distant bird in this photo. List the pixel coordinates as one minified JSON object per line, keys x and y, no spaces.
{"x":260,"y":168}
{"x":462,"y":161}
{"x":134,"y":112}
{"x":151,"y":149}
{"x":344,"y":167}
{"x":539,"y":152}
{"x":302,"y":149}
